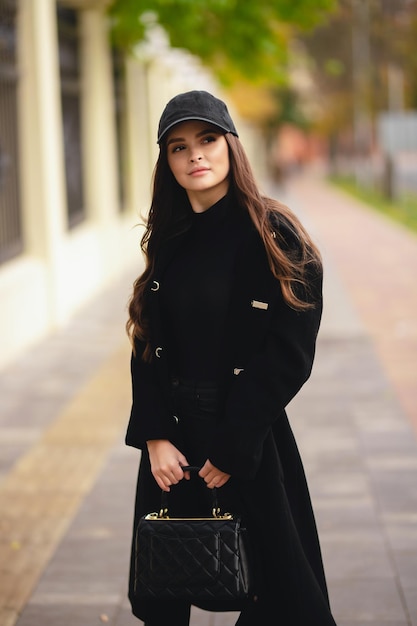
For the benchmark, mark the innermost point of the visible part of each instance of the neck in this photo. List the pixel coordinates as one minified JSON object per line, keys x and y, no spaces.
{"x":202,"y":200}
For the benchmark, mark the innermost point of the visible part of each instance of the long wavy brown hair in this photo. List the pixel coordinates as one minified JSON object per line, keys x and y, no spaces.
{"x":170,"y":216}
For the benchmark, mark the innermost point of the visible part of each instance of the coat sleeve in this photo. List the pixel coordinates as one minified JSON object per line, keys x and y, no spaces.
{"x":150,"y":417}
{"x":270,"y":379}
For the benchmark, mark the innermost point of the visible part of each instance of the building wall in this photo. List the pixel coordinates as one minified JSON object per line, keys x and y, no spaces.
{"x":60,"y":269}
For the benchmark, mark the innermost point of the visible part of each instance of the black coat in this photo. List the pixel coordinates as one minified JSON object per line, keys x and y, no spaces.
{"x":268,"y":355}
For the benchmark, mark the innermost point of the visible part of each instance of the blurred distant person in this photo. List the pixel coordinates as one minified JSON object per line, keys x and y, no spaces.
{"x":223,"y":323}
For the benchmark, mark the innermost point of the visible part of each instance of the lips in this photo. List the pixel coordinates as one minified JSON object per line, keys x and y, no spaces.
{"x":198,"y":170}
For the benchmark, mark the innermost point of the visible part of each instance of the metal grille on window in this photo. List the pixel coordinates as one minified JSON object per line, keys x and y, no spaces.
{"x":11,"y":241}
{"x":119,"y":87}
{"x":69,"y":64}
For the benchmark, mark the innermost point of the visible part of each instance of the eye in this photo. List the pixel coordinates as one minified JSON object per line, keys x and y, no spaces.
{"x":178,"y":148}
{"x":209,"y":138}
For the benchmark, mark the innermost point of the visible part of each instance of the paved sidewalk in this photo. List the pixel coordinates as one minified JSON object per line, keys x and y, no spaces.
{"x":376,"y":259}
{"x":67,"y":480}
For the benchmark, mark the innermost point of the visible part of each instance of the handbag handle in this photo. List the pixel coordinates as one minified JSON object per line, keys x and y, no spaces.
{"x":215,"y":511}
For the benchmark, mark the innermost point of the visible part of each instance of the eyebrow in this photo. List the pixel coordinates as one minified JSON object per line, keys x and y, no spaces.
{"x":206,"y":131}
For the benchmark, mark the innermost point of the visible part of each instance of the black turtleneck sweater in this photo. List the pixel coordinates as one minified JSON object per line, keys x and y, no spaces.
{"x":196,"y":290}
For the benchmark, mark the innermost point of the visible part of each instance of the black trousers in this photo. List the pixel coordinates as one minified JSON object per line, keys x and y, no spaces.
{"x":195,"y":404}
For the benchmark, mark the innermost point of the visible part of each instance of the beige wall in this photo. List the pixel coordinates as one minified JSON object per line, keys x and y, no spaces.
{"x":61,"y":269}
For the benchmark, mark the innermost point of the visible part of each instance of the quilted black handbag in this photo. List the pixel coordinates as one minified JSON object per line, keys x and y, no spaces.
{"x":195,"y":559}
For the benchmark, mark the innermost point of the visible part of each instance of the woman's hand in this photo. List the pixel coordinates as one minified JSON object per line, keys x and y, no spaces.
{"x":166,"y":463}
{"x":213,"y":477}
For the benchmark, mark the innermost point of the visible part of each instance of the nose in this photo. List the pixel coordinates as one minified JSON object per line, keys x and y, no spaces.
{"x":195,"y":156}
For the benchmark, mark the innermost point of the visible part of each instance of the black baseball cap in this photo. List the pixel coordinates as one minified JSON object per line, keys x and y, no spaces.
{"x":195,"y":105}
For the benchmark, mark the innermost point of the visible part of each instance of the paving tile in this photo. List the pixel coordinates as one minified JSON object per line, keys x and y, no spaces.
{"x":372,"y":622}
{"x":356,"y":560}
{"x":366,"y":600}
{"x":402,"y":535}
{"x":345,"y":514}
{"x":63,"y":614}
{"x":124,"y":617}
{"x":405,"y":561}
{"x":410,"y":596}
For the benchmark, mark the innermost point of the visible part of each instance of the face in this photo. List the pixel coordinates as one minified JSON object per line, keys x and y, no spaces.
{"x":198,"y":156}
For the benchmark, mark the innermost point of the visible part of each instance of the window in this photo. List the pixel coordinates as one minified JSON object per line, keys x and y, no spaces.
{"x":119,"y":89}
{"x":69,"y":64}
{"x":11,"y":242}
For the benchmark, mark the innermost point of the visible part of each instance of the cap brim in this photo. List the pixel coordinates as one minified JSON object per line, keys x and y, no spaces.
{"x":189,"y":119}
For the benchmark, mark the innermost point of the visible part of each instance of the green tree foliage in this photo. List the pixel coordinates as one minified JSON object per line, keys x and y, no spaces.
{"x":236,"y":38}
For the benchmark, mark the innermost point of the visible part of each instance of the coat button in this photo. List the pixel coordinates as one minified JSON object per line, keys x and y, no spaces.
{"x":155,"y":285}
{"x":158,"y":352}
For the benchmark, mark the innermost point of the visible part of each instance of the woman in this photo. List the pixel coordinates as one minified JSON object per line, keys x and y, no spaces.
{"x":223,"y":323}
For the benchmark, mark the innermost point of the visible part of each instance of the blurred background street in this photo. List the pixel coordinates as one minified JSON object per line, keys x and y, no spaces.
{"x":324,"y":96}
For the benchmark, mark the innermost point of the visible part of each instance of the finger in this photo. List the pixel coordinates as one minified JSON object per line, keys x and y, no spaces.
{"x":187,"y":475}
{"x":211,"y":478}
{"x":184,"y":462}
{"x":172,"y":473}
{"x":206,"y":469}
{"x":165,"y":479}
{"x":206,"y":472}
{"x":179,"y":471}
{"x":177,"y":474}
{"x":161,"y":484}
{"x":213,"y":482}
